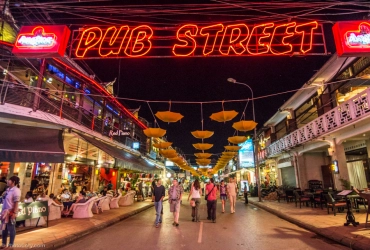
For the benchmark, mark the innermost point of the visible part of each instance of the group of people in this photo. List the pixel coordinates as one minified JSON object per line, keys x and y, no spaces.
{"x":211,"y":192}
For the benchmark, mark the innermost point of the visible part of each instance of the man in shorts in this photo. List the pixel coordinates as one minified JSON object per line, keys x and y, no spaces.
{"x":174,"y":196}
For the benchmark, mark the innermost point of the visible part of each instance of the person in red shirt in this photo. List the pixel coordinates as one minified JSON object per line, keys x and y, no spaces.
{"x":211,"y":192}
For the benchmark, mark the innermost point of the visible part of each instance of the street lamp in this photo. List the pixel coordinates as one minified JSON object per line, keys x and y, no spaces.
{"x":232,"y":80}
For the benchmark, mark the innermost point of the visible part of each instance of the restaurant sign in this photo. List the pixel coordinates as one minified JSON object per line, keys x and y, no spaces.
{"x":42,"y":41}
{"x":119,"y":133}
{"x":352,"y":38}
{"x":32,"y":210}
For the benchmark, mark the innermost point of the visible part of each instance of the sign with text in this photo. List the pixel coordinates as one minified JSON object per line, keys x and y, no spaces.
{"x":32,"y":210}
{"x":352,"y":38}
{"x":191,"y":40}
{"x":42,"y":41}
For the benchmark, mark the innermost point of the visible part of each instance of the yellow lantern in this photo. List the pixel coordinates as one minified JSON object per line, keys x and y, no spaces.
{"x":244,"y":125}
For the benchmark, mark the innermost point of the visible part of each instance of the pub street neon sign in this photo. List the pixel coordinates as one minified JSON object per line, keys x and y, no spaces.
{"x":192,"y":40}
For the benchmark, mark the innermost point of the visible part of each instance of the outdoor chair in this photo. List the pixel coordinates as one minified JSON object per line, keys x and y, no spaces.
{"x":319,"y":199}
{"x":289,"y":195}
{"x":281,"y":195}
{"x":55,"y":210}
{"x":114,"y":201}
{"x":83,"y":210}
{"x":127,"y":200}
{"x":104,"y":204}
{"x":301,"y":199}
{"x":330,"y":202}
{"x":96,"y":208}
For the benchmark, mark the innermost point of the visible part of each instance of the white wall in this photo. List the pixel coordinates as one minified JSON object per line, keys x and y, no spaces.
{"x":309,"y":167}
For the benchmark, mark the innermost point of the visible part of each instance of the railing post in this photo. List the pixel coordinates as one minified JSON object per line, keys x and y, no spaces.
{"x":93,"y":122}
{"x":61,"y":107}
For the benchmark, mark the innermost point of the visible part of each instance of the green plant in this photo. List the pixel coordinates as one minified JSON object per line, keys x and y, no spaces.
{"x":345,"y":184}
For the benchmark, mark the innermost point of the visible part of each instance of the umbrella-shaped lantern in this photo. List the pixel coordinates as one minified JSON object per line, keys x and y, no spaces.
{"x":202,"y":134}
{"x":237,"y":139}
{"x":202,"y":146}
{"x":232,"y":148}
{"x":244,"y":125}
{"x":168,"y":116}
{"x":154,"y":132}
{"x":168,"y":153}
{"x":224,"y":116}
{"x":162,"y":145}
{"x":203,"y":155}
{"x":203,"y":161}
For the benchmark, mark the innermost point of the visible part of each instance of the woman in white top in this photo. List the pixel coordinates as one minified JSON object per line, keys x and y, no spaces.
{"x":195,"y":193}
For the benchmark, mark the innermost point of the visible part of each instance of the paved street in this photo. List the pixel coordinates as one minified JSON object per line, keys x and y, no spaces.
{"x":248,"y":228}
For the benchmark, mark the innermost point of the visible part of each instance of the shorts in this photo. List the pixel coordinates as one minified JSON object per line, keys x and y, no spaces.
{"x":174,"y":206}
{"x":223,"y":197}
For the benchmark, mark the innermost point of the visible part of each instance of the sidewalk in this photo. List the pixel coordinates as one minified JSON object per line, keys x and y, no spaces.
{"x":65,"y":230}
{"x":322,"y":223}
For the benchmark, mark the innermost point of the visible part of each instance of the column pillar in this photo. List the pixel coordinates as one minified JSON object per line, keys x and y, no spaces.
{"x":340,"y":156}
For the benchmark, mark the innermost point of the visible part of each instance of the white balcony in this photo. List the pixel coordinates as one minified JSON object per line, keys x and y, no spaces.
{"x":349,"y":112}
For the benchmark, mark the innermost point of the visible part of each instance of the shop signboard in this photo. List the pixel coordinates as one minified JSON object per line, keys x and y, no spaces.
{"x":32,"y":210}
{"x":246,"y":154}
{"x":119,"y":132}
{"x":44,"y":41}
{"x":352,"y":38}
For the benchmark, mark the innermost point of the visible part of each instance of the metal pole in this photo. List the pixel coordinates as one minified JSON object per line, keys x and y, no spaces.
{"x":255,"y":145}
{"x":36,"y":100}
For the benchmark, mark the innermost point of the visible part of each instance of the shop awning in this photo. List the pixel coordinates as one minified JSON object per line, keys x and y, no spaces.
{"x":123,"y":158}
{"x":30,"y":144}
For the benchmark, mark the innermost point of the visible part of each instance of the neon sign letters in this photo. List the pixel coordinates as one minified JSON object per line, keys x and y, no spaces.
{"x":37,"y":38}
{"x":192,"y":40}
{"x":359,"y":38}
{"x":352,"y":38}
{"x":42,"y":41}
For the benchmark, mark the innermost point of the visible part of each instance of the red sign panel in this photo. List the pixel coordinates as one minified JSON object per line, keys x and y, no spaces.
{"x":190,"y":40}
{"x":352,"y":38}
{"x":42,"y":41}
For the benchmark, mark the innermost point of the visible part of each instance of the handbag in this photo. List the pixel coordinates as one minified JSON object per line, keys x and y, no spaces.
{"x":192,"y":203}
{"x":206,"y":196}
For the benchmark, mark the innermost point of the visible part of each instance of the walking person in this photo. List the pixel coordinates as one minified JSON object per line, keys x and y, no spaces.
{"x":157,"y":196}
{"x":195,"y":193}
{"x":232,"y":191}
{"x":175,"y":195}
{"x":211,"y":195}
{"x":9,"y":212}
{"x":246,"y":192}
{"x":223,"y":195}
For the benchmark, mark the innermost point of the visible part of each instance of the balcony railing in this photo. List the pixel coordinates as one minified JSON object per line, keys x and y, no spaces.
{"x":348,"y":112}
{"x":55,"y":104}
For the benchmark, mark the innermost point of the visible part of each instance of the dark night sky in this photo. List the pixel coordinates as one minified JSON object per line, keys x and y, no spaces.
{"x":201,"y":79}
{"x":204,"y":79}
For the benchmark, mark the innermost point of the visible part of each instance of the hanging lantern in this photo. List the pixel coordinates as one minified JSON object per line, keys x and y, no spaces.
{"x":96,"y":171}
{"x":202,"y":146}
{"x":237,"y":139}
{"x":154,"y":132}
{"x":224,"y":116}
{"x":233,"y":148}
{"x":202,"y":134}
{"x":168,"y":116}
{"x":74,"y":169}
{"x":114,"y":173}
{"x":203,"y":155}
{"x":244,"y":125}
